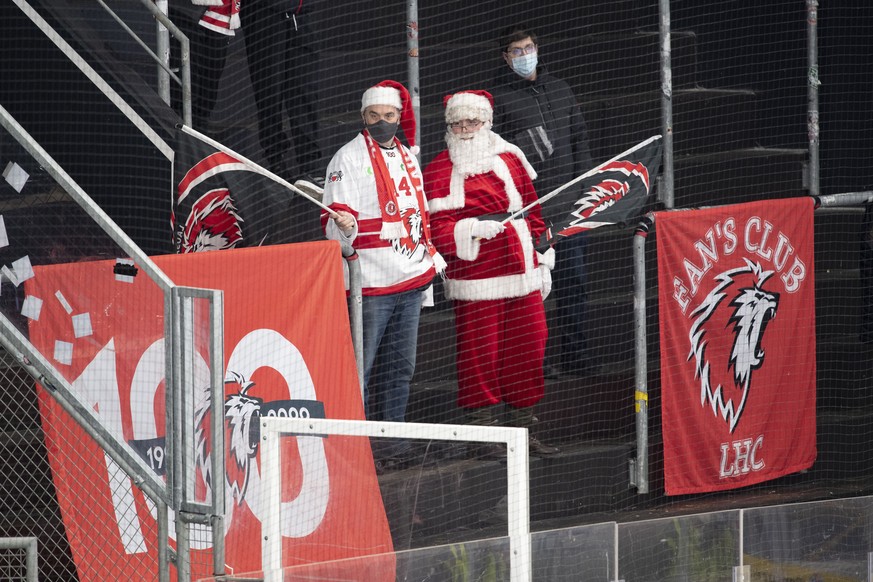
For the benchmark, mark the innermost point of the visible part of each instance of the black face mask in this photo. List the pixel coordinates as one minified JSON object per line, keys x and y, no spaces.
{"x":382,"y":131}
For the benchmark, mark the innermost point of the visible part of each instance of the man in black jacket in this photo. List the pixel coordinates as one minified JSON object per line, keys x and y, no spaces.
{"x":538,"y":112}
{"x":283,"y":66}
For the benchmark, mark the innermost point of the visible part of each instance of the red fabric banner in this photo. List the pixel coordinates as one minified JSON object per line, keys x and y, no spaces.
{"x":288,"y":351}
{"x":737,"y":316}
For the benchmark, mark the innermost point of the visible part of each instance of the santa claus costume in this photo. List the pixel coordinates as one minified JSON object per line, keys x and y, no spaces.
{"x":494,"y":275}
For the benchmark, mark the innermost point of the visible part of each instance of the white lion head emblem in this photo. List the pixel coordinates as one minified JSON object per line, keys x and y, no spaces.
{"x":241,"y":414}
{"x":407,"y":246}
{"x":754,"y":307}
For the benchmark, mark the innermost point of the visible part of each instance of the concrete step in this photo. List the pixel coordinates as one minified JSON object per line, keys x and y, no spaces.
{"x":838,"y":303}
{"x":704,"y":120}
{"x":838,"y":435}
{"x":844,"y":371}
{"x":610,"y":326}
{"x":726,"y":52}
{"x":434,"y":402}
{"x":593,"y":65}
{"x":483,"y":21}
{"x":593,"y":404}
{"x":435,"y":360}
{"x":838,"y":239}
{"x":743,"y":175}
{"x":619,"y":64}
{"x":434,"y":502}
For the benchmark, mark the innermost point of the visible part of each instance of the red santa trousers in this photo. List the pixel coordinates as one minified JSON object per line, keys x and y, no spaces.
{"x":501,"y":343}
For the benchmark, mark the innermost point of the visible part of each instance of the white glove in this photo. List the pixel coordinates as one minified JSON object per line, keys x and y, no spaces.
{"x":546,"y":276}
{"x":486,"y":229}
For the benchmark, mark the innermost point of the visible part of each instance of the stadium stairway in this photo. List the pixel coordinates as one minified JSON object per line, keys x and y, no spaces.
{"x":737,"y":138}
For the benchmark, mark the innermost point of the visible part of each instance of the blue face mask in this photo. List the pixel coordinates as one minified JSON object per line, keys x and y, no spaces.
{"x":525,"y":65}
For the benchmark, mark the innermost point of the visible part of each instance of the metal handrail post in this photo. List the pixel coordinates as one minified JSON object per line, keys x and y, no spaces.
{"x":845,"y":199}
{"x":165,"y":27}
{"x":641,"y":391}
{"x":165,"y":554}
{"x":665,"y":191}
{"x":189,"y":509}
{"x":412,"y":64}
{"x":185,"y":57}
{"x":356,"y":322}
{"x":812,"y":84}
{"x":162,"y":43}
{"x":217,"y":430}
{"x":183,"y":549}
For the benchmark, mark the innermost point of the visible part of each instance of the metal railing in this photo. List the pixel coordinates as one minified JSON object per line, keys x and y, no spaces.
{"x":162,"y":57}
{"x":178,"y":360}
{"x":31,"y":566}
{"x":517,"y":469}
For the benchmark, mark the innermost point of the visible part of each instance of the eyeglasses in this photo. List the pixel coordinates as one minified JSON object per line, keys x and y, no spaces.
{"x":518,"y":51}
{"x":466,"y":124}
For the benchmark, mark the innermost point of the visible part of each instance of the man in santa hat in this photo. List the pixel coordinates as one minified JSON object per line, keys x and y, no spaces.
{"x":494,"y":276}
{"x":374,"y":185}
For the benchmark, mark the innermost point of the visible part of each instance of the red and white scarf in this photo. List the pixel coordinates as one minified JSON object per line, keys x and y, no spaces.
{"x":392,"y":220}
{"x":222,"y":16}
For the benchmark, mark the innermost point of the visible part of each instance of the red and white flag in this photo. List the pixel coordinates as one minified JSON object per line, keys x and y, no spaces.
{"x":615,"y":192}
{"x":223,"y":203}
{"x":737,"y":313}
{"x":287,"y":352}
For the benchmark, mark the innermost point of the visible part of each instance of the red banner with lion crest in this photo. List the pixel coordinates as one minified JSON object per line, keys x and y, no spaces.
{"x":737,"y":313}
{"x":287,"y":352}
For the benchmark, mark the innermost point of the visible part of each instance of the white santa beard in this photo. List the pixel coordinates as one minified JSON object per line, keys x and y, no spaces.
{"x":474,"y":155}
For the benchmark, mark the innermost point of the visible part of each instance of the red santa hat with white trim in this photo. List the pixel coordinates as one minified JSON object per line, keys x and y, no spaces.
{"x":392,"y":93}
{"x":469,"y":105}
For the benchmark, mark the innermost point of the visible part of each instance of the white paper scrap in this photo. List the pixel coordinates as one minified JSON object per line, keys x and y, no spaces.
{"x":16,"y":176}
{"x":31,"y":307}
{"x":23,"y":269}
{"x":7,"y":272}
{"x":82,"y":325}
{"x":4,"y":238}
{"x":64,"y":302}
{"x":63,"y":352}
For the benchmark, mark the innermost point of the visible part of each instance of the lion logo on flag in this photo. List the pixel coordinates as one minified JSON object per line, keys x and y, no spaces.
{"x":212,"y":225}
{"x":753,"y":307}
{"x":610,"y":190}
{"x":600,"y":197}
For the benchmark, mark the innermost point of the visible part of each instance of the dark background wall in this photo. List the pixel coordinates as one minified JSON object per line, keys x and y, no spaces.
{"x":608,"y":51}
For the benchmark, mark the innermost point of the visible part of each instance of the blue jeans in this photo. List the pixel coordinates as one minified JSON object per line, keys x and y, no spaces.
{"x":390,"y":334}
